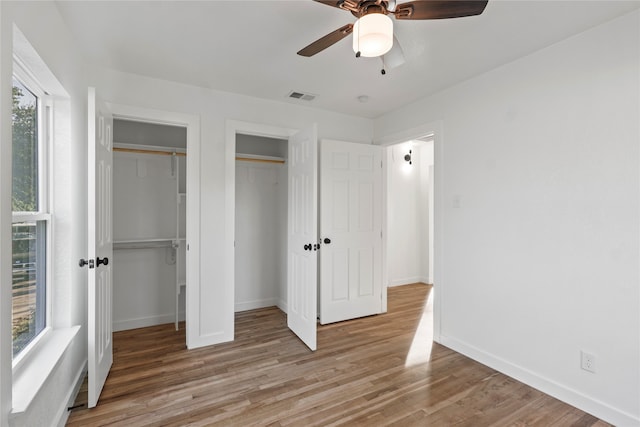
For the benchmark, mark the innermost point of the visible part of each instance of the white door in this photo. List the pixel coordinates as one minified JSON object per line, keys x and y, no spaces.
{"x":350,"y":231}
{"x":302,"y":262}
{"x":100,"y":245}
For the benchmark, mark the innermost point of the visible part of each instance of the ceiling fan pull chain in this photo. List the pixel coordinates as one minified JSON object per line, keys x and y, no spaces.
{"x":358,"y":52}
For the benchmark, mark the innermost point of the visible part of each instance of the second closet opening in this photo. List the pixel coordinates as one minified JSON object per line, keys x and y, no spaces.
{"x":260,"y":223}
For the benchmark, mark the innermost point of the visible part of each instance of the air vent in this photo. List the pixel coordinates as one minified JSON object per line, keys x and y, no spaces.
{"x":303,"y":96}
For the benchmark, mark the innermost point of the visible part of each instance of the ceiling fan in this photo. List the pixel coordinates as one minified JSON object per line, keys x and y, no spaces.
{"x":373,"y":30}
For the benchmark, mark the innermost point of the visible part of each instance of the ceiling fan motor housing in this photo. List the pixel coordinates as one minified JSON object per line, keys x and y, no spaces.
{"x":362,"y":8}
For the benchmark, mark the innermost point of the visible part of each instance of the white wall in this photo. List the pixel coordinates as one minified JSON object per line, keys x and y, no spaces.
{"x":407,"y":213}
{"x":43,"y":27}
{"x":541,"y":259}
{"x":144,"y":196}
{"x":260,"y":243}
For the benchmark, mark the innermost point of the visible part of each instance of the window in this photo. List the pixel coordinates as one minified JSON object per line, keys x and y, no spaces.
{"x":31,"y":217}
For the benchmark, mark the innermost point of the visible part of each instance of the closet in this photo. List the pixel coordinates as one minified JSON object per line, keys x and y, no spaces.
{"x":260,"y":223}
{"x":149,"y":224}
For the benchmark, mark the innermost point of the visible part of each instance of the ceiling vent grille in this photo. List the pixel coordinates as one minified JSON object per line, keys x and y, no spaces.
{"x":300,"y":95}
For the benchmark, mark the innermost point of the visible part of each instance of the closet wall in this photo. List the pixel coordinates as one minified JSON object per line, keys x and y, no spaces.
{"x":260,"y":223}
{"x":149,"y":225}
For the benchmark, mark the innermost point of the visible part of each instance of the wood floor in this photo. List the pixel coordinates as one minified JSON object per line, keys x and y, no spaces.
{"x":358,"y":376}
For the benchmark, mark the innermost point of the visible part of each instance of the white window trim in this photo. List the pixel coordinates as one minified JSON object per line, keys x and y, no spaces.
{"x":37,"y":365}
{"x":23,"y":357}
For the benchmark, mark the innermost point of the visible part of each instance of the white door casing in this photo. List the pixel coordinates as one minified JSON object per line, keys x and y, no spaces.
{"x":100,"y":245}
{"x":351,"y":220}
{"x":302,"y":262}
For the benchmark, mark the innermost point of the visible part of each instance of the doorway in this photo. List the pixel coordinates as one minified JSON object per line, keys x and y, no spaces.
{"x":185,"y":233}
{"x":434,"y":130}
{"x":264,"y":145}
{"x":410,"y":212}
{"x":301,"y":225}
{"x":260,"y":222}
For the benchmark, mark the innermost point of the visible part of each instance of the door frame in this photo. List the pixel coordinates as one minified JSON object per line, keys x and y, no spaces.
{"x":192,"y":123}
{"x":232,"y":128}
{"x":435,"y":128}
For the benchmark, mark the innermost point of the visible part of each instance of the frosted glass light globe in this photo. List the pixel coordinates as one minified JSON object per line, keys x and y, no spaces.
{"x":373,"y":35}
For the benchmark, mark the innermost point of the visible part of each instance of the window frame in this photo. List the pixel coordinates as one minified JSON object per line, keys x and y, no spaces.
{"x":45,"y":191}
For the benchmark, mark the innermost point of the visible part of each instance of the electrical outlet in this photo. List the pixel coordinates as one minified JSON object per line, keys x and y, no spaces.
{"x":587,"y":361}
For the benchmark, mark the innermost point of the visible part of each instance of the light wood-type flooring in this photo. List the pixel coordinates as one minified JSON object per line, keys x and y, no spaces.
{"x":366,"y":372}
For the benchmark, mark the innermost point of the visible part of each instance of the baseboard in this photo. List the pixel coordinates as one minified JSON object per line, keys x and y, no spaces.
{"x":252,"y":305}
{"x":143,"y":322}
{"x":407,"y":281}
{"x":63,"y":413}
{"x":572,"y":397}
{"x":282,"y":305}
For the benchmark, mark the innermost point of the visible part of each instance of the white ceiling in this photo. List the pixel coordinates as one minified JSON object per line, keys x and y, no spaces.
{"x":249,"y":47}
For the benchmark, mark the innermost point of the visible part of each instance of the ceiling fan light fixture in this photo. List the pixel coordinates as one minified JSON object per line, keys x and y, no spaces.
{"x":373,"y":35}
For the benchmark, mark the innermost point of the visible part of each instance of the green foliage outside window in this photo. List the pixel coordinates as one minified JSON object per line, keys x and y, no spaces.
{"x":24,"y":196}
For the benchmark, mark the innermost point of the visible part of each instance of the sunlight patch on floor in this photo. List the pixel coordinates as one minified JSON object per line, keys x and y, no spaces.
{"x":420,"y":351}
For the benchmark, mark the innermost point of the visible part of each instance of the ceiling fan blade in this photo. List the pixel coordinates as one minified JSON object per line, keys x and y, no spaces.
{"x":395,"y":57}
{"x":439,"y":9}
{"x":350,"y":5}
{"x":326,"y":41}
{"x":334,"y":3}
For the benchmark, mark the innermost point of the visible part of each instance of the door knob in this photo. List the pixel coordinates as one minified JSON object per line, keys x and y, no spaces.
{"x":84,"y":262}
{"x":327,"y":240}
{"x":103,"y":261}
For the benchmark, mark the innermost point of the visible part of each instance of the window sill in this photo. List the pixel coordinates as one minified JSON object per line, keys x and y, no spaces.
{"x":38,"y":365}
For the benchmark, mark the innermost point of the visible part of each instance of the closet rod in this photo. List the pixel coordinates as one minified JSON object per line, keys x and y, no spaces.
{"x":249,"y":159}
{"x":138,"y":150}
{"x":142,"y":245}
